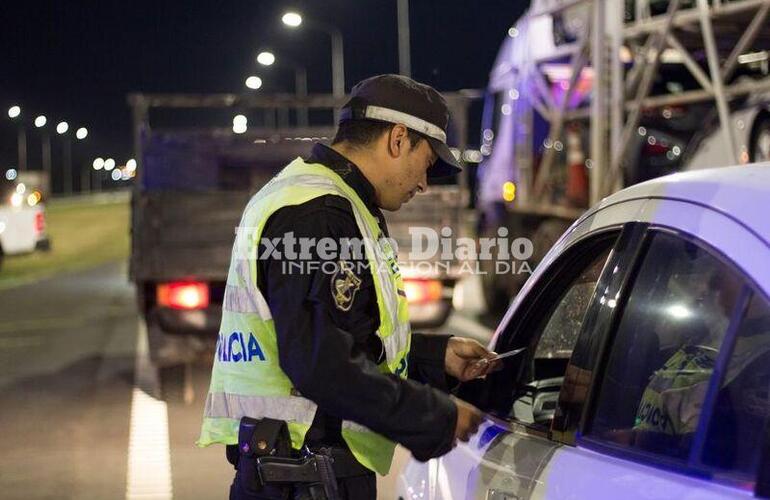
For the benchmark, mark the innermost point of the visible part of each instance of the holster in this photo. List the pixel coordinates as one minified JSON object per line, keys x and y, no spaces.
{"x":258,"y":438}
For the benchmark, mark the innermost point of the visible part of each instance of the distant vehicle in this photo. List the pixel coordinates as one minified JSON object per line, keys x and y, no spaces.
{"x":676,"y":93}
{"x":192,"y":186}
{"x":22,"y":220}
{"x":646,"y":362}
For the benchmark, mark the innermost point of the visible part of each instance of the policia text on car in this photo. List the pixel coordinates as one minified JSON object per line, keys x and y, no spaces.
{"x":317,"y":374}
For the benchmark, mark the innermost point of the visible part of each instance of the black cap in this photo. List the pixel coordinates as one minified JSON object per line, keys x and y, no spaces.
{"x":398,"y":99}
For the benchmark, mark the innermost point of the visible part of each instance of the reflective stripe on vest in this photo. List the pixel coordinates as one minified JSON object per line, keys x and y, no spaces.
{"x":246,"y":379}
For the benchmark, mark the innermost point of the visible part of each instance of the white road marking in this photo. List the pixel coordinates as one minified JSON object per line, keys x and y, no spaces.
{"x":149,"y":456}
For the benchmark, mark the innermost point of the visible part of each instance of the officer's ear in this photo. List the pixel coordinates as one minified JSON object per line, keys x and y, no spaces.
{"x":398,"y":143}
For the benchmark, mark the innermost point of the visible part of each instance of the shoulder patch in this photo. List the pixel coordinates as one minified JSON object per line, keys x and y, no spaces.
{"x":344,"y":285}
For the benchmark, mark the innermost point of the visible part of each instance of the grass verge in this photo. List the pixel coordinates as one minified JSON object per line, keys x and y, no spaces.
{"x":83,"y":234}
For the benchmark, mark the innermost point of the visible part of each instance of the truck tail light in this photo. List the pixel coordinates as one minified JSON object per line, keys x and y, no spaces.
{"x":183,"y":295}
{"x":421,"y":291}
{"x":39,"y":223}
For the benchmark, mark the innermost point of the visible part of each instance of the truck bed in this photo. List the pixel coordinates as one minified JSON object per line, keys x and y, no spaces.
{"x":184,"y":234}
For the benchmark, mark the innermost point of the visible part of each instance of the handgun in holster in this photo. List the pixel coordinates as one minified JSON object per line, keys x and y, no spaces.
{"x":266,"y":461}
{"x":313,"y":471}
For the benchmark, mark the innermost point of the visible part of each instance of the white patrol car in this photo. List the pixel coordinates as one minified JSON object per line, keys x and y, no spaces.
{"x":645,"y":363}
{"x":22,"y":220}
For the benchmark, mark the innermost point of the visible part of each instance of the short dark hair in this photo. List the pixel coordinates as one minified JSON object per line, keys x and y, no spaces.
{"x":360,"y":133}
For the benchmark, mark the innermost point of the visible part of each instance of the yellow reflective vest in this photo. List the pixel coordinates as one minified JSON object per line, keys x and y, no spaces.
{"x":246,"y":379}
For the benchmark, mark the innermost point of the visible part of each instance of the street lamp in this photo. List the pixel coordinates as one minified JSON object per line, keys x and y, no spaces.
{"x":294,"y":20}
{"x":254,"y":82}
{"x":266,"y":58}
{"x":81,"y":133}
{"x":40,"y":121}
{"x":109,"y":164}
{"x":240,"y":124}
{"x":62,"y":128}
{"x":13,"y":113}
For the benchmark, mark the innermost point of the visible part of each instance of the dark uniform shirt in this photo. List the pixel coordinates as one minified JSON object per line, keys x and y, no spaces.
{"x":330,"y":350}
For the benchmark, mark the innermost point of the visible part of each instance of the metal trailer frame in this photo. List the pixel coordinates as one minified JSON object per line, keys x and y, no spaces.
{"x":619,"y":97}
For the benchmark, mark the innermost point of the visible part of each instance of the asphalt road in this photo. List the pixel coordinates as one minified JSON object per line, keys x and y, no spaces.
{"x":83,"y":412}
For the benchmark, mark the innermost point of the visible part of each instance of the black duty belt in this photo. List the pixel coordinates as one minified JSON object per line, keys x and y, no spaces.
{"x":265,"y":459}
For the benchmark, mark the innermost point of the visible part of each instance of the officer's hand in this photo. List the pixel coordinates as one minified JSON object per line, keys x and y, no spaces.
{"x":466,"y":359}
{"x":468,"y":419}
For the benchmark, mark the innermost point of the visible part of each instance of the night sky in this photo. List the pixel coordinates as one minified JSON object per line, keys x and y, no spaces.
{"x":76,"y":60}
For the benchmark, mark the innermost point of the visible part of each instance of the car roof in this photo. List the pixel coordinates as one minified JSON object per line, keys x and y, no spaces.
{"x":742,"y":193}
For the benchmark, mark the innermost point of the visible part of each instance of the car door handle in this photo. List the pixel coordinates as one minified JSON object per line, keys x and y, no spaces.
{"x":500,"y":495}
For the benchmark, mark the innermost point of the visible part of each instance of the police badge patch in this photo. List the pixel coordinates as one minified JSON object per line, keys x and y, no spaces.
{"x":344,"y":285}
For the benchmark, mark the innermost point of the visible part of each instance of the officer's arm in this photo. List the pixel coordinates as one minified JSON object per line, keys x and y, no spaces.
{"x":427,"y":361}
{"x":326,"y":365}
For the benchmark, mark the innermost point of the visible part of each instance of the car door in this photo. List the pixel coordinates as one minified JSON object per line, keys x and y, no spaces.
{"x":503,"y":460}
{"x":677,"y":397}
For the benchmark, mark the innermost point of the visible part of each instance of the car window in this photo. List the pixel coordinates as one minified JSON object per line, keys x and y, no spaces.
{"x":665,"y":349}
{"x":743,"y":401}
{"x":557,"y":329}
{"x":561,"y":328}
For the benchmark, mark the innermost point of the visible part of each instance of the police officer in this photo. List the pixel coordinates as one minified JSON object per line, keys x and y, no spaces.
{"x":327,"y":348}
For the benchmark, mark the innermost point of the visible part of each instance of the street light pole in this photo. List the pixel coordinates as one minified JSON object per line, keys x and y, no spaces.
{"x":300,"y":89}
{"x":45,"y":142}
{"x":46,"y":145}
{"x":294,"y":20}
{"x":404,"y":57}
{"x":266,"y":58}
{"x":98,"y":165}
{"x":14,"y":112}
{"x":338,"y":63}
{"x":85,"y":174}
{"x":85,"y":179}
{"x":62,"y":128}
{"x":67,"y":187}
{"x":22,"y":143}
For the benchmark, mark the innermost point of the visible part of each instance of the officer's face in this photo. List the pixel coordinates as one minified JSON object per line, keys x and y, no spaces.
{"x":407,"y":172}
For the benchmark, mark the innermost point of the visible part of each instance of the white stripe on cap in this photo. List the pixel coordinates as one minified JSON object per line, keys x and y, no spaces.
{"x":411,"y":121}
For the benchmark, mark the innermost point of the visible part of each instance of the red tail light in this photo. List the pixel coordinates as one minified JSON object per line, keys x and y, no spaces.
{"x":183,"y":295}
{"x":421,"y":291}
{"x":39,"y":223}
